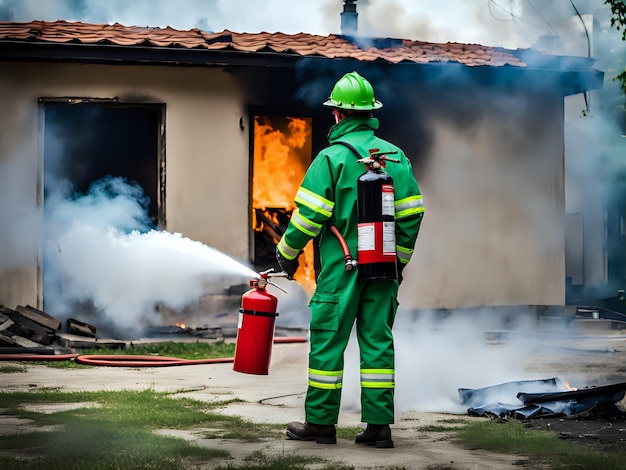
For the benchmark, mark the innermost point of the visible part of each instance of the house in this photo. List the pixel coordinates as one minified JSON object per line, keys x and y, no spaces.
{"x":177,"y":111}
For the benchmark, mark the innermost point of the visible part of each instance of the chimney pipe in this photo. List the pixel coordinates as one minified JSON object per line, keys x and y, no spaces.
{"x":349,"y":18}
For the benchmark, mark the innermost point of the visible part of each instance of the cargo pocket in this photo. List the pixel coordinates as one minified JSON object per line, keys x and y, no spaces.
{"x":324,"y":311}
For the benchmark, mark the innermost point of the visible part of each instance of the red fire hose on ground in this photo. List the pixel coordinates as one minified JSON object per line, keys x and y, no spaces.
{"x":129,"y":360}
{"x":120,"y":360}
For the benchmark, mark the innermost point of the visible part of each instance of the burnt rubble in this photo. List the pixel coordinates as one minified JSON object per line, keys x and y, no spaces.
{"x":527,"y":399}
{"x":28,"y":330}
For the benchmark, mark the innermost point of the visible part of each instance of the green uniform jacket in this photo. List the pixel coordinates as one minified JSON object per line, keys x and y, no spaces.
{"x":328,"y":195}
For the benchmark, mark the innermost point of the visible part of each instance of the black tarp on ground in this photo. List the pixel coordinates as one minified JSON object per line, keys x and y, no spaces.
{"x":531,"y":398}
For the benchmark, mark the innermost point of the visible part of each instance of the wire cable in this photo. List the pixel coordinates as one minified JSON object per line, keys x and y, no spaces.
{"x":516,"y":19}
{"x":584,"y":26}
{"x":489,"y":2}
{"x":543,"y":18}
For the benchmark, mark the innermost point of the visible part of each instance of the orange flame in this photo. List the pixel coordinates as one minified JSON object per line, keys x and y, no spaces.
{"x":181,"y":325}
{"x":569,"y":387}
{"x":278,"y":162}
{"x":280,"y":159}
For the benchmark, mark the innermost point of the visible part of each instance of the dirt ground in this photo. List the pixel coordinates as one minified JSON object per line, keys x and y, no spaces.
{"x":597,"y":432}
{"x":278,"y":398}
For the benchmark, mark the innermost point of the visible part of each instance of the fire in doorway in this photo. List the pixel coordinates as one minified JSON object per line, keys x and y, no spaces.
{"x":282,"y":153}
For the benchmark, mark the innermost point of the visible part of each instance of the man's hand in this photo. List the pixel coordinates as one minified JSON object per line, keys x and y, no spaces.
{"x":290,"y":266}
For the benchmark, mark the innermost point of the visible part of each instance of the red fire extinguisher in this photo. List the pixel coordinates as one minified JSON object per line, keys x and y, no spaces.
{"x":255,"y":333}
{"x":376,"y":236}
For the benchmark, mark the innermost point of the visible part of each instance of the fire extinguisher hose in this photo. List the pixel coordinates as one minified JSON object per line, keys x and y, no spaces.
{"x":130,"y":360}
{"x":350,"y":261}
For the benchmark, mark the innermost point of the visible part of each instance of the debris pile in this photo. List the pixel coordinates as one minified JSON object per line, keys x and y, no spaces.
{"x":534,"y":398}
{"x":28,"y":330}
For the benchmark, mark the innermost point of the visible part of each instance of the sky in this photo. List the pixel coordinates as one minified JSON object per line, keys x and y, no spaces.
{"x":505,"y":23}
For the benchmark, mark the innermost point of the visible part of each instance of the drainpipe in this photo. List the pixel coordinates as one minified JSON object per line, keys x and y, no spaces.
{"x":349,"y":18}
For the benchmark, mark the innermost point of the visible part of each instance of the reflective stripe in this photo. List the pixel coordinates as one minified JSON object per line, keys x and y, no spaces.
{"x":305,"y":225}
{"x":409,"y":206}
{"x":403,"y":254}
{"x":328,"y":380}
{"x":377,"y":378}
{"x":285,"y":250}
{"x":314,"y":201}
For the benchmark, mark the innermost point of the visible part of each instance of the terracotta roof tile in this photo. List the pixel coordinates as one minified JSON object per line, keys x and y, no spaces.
{"x":303,"y":44}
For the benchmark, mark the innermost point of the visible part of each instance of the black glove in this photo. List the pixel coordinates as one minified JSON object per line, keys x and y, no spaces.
{"x":290,"y":266}
{"x":400,"y":266}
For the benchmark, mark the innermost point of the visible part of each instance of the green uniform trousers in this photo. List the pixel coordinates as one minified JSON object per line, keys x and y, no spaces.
{"x":372,"y":306}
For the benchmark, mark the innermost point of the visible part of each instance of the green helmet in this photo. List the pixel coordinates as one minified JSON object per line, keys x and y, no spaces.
{"x":353,"y":92}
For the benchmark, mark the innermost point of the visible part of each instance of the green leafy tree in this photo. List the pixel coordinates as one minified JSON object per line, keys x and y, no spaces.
{"x":618,"y":21}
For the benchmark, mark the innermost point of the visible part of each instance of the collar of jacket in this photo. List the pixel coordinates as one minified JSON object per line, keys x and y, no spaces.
{"x":352,"y":124}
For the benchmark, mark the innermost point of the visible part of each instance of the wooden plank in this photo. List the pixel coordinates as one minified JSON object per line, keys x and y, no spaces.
{"x":24,"y":342}
{"x":38,"y":316}
{"x":18,"y":329}
{"x":5,"y":311}
{"x":83,"y":342}
{"x":5,"y":322}
{"x":44,"y":339}
{"x":20,"y":350}
{"x":80,"y":328}
{"x":4,"y":339}
{"x":34,"y":327}
{"x":36,"y":331}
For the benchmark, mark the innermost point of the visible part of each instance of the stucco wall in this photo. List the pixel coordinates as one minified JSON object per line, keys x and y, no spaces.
{"x":492,"y":181}
{"x":207,"y":154}
{"x":493,"y":233}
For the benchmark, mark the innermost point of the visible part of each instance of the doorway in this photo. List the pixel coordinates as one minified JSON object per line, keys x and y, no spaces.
{"x":87,"y":140}
{"x":282,"y":152}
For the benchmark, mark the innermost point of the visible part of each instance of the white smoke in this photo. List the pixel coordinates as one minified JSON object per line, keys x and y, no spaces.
{"x":102,"y":249}
{"x":99,"y":250}
{"x":213,"y":15}
{"x":490,"y":23}
{"x":436,"y":356}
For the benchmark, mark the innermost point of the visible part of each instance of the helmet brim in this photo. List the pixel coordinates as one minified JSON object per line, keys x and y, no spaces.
{"x":336,"y":104}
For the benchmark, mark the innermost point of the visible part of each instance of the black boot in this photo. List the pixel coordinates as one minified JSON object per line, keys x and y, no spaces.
{"x":378,"y":435}
{"x":322,"y":434}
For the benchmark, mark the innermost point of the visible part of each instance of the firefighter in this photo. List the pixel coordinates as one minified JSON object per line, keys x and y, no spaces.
{"x":327,"y":197}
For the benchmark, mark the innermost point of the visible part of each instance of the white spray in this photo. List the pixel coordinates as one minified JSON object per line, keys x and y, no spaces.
{"x":433,"y":358}
{"x":98,"y":250}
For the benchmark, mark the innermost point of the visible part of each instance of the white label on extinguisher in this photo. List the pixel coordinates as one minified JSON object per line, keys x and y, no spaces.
{"x":366,"y":237}
{"x":388,"y":199}
{"x":389,"y":238}
{"x":240,"y":321}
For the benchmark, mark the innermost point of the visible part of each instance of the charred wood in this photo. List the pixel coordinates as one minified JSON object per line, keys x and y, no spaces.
{"x":7,"y":340}
{"x":38,"y":316}
{"x":33,"y":350}
{"x":5,"y":322}
{"x":36,"y":332}
{"x":76,"y":327}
